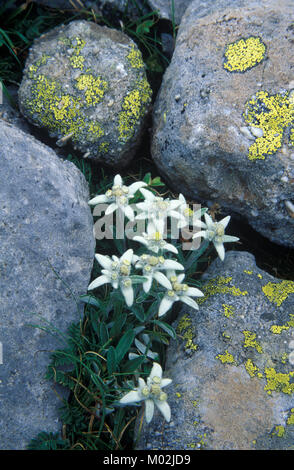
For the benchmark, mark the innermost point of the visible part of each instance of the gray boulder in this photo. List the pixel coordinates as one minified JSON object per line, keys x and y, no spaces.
{"x":86,"y":85}
{"x":233,"y":386}
{"x":223,"y":120}
{"x":46,"y":257}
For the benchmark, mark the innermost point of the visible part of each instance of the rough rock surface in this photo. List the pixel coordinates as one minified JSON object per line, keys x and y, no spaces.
{"x":9,"y":111}
{"x":233,"y":384}
{"x":223,"y":120}
{"x":46,"y":257}
{"x":86,"y":84}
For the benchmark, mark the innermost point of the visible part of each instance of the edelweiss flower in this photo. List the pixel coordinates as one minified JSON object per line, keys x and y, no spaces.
{"x":157,"y":209}
{"x":116,"y":272}
{"x":215,"y":232}
{"x":152,"y":265}
{"x":118,"y":197}
{"x":154,"y":240}
{"x":189,"y":216}
{"x":151,"y":392}
{"x":180,"y":292}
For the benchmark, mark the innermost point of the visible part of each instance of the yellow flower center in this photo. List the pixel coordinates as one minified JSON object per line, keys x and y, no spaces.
{"x":153,"y":260}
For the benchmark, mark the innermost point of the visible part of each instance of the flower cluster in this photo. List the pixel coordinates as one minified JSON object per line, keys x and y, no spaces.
{"x":161,"y":271}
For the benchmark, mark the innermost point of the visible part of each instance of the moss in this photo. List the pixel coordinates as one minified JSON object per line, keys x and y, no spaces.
{"x":219,"y":285}
{"x":187,"y":332}
{"x":278,"y":292}
{"x":244,"y":54}
{"x":133,"y":108}
{"x":229,"y":311}
{"x":252,"y":369}
{"x":135,"y":58}
{"x":277,"y":381}
{"x":272,"y":114}
{"x":226,"y":358}
{"x":93,"y":87}
{"x":250,"y":341}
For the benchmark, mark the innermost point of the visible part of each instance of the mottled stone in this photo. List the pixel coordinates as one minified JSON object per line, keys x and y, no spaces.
{"x":86,"y":84}
{"x":9,"y":111}
{"x":46,"y":257}
{"x":233,"y":383}
{"x":224,"y":117}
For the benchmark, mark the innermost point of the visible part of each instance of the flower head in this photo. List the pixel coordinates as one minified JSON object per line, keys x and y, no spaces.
{"x":215,"y":232}
{"x":151,"y":392}
{"x":156,"y":209}
{"x":179,"y":291}
{"x":118,"y":197}
{"x":154,"y":240}
{"x":152,"y":266}
{"x":116,"y":272}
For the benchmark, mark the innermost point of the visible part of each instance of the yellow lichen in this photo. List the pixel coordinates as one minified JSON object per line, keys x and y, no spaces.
{"x":278,"y":292}
{"x":290,"y":419}
{"x":279,"y":431}
{"x":250,"y":341}
{"x":244,"y":54}
{"x":229,"y":310}
{"x":59,"y":112}
{"x":252,"y":369}
{"x":246,"y":271}
{"x":277,"y":329}
{"x":186,"y":331}
{"x":133,"y":108}
{"x":76,"y":59}
{"x":271,"y":114}
{"x":135,"y":58}
{"x":219,"y":285}
{"x":94,"y":88}
{"x":226,"y":358}
{"x":277,"y":381}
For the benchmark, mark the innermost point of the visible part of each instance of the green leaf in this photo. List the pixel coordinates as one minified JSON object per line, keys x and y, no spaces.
{"x":117,"y":327}
{"x":144,"y":28}
{"x":147,"y":178}
{"x":124,"y":345}
{"x":132,"y":365}
{"x":166,"y":327}
{"x":90,"y":300}
{"x":103,"y":333}
{"x":137,"y":279}
{"x":111,"y":360}
{"x":139,"y":313}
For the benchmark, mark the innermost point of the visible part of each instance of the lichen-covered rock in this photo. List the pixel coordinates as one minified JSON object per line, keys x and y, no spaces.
{"x":86,"y":84}
{"x":224,"y":117}
{"x":174,"y":10}
{"x":46,"y":257}
{"x":233,"y":383}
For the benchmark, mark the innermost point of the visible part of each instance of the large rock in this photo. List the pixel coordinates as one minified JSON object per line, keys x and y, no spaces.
{"x":224,"y":116}
{"x":233,"y":383}
{"x":46,"y":257}
{"x":86,"y":84}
